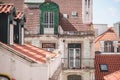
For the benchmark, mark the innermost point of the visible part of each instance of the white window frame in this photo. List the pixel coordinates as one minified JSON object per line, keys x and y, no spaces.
{"x":49,"y":20}
{"x":74,"y":58}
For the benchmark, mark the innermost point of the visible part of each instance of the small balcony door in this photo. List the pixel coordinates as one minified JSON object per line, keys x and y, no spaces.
{"x":74,"y":57}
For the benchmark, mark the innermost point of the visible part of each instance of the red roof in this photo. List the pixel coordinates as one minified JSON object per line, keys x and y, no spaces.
{"x":108,"y":35}
{"x":6,"y":8}
{"x":75,"y":26}
{"x":19,"y":15}
{"x":19,"y":4}
{"x":32,"y":52}
{"x":112,"y":61}
{"x":113,"y":76}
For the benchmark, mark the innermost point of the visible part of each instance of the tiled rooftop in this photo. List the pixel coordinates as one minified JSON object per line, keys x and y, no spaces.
{"x":19,"y":4}
{"x":19,"y":15}
{"x":6,"y":8}
{"x":108,"y":35}
{"x":32,"y":52}
{"x":112,"y":61}
{"x":113,"y":76}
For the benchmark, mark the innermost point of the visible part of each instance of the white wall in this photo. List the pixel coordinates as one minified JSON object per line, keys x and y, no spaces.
{"x":117,"y":28}
{"x":55,"y":64}
{"x":21,"y":69}
{"x":100,"y":28}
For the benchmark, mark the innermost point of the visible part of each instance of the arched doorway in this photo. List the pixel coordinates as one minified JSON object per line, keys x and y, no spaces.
{"x":74,"y":77}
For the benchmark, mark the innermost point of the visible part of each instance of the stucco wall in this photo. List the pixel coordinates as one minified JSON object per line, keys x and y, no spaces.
{"x":21,"y":69}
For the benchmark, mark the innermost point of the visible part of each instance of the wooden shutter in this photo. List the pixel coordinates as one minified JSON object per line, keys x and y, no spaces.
{"x":102,"y":46}
{"x":115,"y":45}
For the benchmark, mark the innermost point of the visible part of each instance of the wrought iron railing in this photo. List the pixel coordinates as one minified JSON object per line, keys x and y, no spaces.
{"x":78,"y":63}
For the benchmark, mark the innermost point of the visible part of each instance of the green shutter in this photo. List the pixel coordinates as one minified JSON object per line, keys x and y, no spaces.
{"x":49,"y":7}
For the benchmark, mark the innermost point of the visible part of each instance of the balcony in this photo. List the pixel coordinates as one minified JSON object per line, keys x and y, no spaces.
{"x":77,"y":64}
{"x":77,"y":33}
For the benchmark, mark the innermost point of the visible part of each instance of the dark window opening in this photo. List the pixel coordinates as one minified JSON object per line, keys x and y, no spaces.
{"x":108,"y":46}
{"x":48,"y":46}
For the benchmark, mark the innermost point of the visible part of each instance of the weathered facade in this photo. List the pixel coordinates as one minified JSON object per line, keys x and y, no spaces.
{"x":18,"y":60}
{"x":64,"y":25}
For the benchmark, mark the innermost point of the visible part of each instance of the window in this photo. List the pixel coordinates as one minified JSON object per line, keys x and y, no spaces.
{"x":48,"y":46}
{"x":103,"y":68}
{"x":74,"y":55}
{"x":108,"y":46}
{"x":74,"y":14}
{"x":48,"y":20}
{"x":118,"y":49}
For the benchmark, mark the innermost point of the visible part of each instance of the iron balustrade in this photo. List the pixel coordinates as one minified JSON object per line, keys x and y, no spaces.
{"x":77,"y":63}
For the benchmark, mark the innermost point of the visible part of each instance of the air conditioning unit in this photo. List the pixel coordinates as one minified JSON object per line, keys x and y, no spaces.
{"x":74,"y":13}
{"x":65,"y":15}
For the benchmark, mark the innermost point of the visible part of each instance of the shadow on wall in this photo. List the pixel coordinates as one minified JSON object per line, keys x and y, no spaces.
{"x":66,"y":25}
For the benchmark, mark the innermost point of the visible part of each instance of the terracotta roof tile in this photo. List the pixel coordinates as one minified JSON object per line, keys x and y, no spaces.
{"x":108,"y":35}
{"x":6,"y":8}
{"x":19,"y":4}
{"x":75,"y":26}
{"x":19,"y":15}
{"x":112,"y":61}
{"x":113,"y":76}
{"x":32,"y":52}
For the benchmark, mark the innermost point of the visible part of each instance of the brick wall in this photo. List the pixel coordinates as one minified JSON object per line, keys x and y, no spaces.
{"x":67,"y":6}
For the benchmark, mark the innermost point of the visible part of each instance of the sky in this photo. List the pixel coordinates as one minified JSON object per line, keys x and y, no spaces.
{"x":106,"y":12}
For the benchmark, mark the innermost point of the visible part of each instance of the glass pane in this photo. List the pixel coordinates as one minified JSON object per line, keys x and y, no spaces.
{"x":77,"y":58}
{"x":71,"y":57}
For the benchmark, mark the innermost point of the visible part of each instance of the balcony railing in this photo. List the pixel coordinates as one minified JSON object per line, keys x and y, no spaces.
{"x":77,"y":33}
{"x":79,"y":63}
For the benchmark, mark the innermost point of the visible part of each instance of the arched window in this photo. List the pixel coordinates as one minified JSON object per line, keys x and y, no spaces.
{"x":49,"y":18}
{"x":74,"y":77}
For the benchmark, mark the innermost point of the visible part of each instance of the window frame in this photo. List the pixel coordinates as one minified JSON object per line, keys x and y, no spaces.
{"x":108,"y":45}
{"x":49,"y":48}
{"x":105,"y":66}
{"x":48,"y":19}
